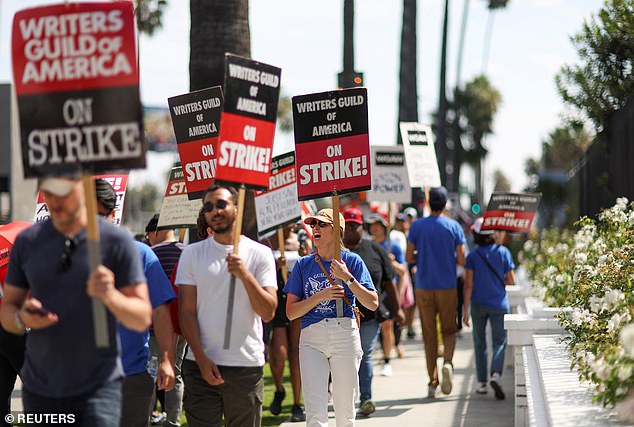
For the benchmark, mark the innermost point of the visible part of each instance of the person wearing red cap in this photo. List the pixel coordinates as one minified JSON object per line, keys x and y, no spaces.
{"x":329,"y":342}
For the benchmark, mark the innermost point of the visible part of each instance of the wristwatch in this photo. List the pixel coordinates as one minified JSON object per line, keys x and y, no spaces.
{"x":350,"y":281}
{"x":18,"y":321}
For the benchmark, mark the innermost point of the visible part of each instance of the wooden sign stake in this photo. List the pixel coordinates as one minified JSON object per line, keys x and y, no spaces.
{"x":237,"y":230}
{"x":99,"y":315}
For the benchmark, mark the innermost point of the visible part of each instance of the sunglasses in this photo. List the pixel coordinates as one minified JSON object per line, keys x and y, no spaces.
{"x":220,"y":204}
{"x":69,"y":248}
{"x":321,"y":224}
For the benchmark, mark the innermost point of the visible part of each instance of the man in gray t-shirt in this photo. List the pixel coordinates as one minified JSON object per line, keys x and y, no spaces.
{"x":48,"y":288}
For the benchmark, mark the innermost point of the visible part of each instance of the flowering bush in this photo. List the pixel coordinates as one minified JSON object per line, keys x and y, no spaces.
{"x":592,"y":271}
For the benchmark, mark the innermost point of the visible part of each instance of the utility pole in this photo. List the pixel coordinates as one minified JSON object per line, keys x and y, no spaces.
{"x":348,"y":77}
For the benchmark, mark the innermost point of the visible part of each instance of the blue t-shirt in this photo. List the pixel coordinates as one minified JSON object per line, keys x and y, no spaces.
{"x":396,"y":250}
{"x":307,"y":279}
{"x":62,"y":360}
{"x":135,"y":348}
{"x":488,"y":289}
{"x":436,"y":239}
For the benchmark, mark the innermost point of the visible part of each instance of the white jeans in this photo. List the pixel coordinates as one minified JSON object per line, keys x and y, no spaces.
{"x":330,"y":346}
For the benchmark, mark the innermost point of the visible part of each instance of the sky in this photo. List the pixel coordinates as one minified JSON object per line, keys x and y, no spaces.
{"x":530,"y":42}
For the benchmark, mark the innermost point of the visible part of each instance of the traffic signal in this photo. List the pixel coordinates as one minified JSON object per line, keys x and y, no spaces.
{"x":356,"y":80}
{"x":476,"y":208}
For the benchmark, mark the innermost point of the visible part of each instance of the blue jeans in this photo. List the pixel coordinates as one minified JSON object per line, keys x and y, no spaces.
{"x":480,"y":314}
{"x":369,"y":333}
{"x":98,"y":408}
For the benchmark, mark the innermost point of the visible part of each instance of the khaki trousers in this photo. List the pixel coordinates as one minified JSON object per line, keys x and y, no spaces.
{"x":442,"y":302}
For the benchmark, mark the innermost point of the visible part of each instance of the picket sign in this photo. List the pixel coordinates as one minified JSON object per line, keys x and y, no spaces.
{"x":390,"y":179}
{"x":177,"y":209}
{"x":245,"y":143}
{"x":420,"y":154}
{"x":196,"y":121}
{"x":333,"y":149}
{"x":511,"y":211}
{"x":65,"y":101}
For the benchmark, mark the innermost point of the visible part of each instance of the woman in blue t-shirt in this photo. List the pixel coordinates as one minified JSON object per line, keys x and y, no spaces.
{"x":328,"y":344}
{"x":489,"y":269}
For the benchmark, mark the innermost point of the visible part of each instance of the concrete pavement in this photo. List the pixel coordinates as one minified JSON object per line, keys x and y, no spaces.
{"x":401,"y":399}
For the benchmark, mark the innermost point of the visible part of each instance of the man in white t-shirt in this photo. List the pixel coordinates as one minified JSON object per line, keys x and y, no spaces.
{"x":223,"y":367}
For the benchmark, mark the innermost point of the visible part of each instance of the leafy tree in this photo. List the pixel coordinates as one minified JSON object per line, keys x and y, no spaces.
{"x":501,"y":182}
{"x":477,"y":103}
{"x":561,"y":151}
{"x":602,"y":82}
{"x":149,"y":14}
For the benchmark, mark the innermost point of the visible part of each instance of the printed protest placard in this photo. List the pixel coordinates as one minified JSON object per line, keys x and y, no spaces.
{"x":511,"y":211}
{"x":252,"y":91}
{"x":196,"y":120}
{"x":278,"y":206}
{"x":331,"y":143}
{"x":390,"y":181}
{"x":118,"y":182}
{"x":422,"y":166}
{"x":177,"y":209}
{"x":76,"y":78}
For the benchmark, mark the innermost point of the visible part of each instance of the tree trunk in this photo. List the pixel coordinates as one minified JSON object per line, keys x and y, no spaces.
{"x":219,"y":27}
{"x":408,"y":92}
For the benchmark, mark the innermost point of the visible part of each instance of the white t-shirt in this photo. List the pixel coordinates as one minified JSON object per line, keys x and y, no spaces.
{"x":203,"y":264}
{"x":399,"y":236}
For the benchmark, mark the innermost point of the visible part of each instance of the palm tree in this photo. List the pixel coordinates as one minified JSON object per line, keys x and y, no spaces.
{"x":216,"y":27}
{"x":408,"y":91}
{"x":493,"y":6}
{"x":478,"y":103}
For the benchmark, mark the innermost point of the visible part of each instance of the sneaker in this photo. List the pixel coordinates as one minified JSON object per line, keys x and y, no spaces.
{"x":276,"y":405}
{"x":447,"y":378}
{"x":367,"y":407}
{"x":411,"y":334}
{"x":482,"y":388}
{"x":297,"y":414}
{"x":158,"y":419}
{"x":496,"y":385}
{"x":386,"y":370}
{"x":431,"y":391}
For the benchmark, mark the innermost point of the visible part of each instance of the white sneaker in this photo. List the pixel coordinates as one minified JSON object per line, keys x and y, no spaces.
{"x":386,"y":370}
{"x":482,"y":388}
{"x":431,"y":391}
{"x":446,"y":384}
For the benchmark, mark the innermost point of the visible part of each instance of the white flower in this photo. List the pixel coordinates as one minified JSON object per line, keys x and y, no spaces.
{"x":627,"y":339}
{"x":613,"y":297}
{"x":614,"y":322}
{"x":581,"y":258}
{"x":624,"y":373}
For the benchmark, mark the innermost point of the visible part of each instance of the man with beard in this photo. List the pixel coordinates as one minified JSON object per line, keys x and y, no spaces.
{"x":219,"y":380}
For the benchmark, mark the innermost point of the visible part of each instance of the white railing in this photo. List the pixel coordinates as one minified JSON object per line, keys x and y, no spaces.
{"x":547,"y":392}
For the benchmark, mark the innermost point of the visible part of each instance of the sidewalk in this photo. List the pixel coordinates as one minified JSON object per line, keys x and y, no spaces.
{"x":401,"y":399}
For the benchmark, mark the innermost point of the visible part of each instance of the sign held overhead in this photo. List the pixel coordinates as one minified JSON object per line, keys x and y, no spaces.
{"x":511,"y":211}
{"x":422,"y":165}
{"x":77,"y":82}
{"x":252,"y":91}
{"x":332,"y":143}
{"x":196,"y":120}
